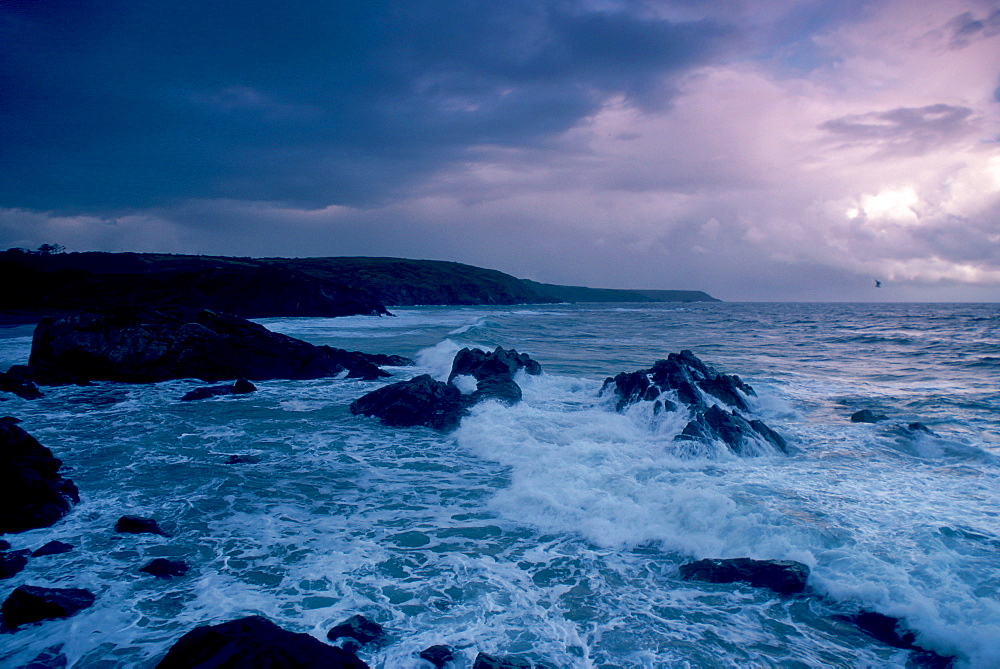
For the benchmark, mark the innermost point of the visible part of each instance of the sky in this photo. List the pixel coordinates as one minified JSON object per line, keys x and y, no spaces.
{"x":756,"y":149}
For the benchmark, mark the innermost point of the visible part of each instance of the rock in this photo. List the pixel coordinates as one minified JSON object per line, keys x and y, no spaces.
{"x":141,"y":345}
{"x":783,"y":576}
{"x":254,"y":643}
{"x":866,"y":416}
{"x":15,"y":381}
{"x":484,"y":661}
{"x":920,"y":427}
{"x":53,"y":548}
{"x":4,"y":545}
{"x":241,"y":387}
{"x":30,"y":604}
{"x":885,"y":628}
{"x":705,"y":394}
{"x":500,"y":388}
{"x":164,"y":568}
{"x":358,"y":628}
{"x":12,"y":562}
{"x":50,"y":658}
{"x":35,"y":494}
{"x":482,"y":365}
{"x":419,"y":401}
{"x":437,"y":655}
{"x":242,"y":460}
{"x":138,"y":525}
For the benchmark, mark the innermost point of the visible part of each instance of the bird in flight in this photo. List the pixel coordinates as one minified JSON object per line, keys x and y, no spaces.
{"x":878,"y":284}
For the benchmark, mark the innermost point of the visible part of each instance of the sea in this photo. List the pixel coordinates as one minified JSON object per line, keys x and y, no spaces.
{"x":552,"y":530}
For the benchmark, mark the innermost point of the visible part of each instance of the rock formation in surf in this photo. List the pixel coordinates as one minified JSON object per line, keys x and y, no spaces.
{"x":149,"y":345}
{"x":426,"y":401}
{"x":717,"y":403}
{"x":36,"y":494}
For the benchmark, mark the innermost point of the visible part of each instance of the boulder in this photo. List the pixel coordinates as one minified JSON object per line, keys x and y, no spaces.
{"x":866,"y":416}
{"x":419,"y":401}
{"x":254,"y":643}
{"x":142,"y":345}
{"x":12,"y":562}
{"x":241,"y":387}
{"x":717,"y":403}
{"x":358,"y":628}
{"x":15,"y":380}
{"x":484,"y":661}
{"x":438,"y":655}
{"x":886,"y":629}
{"x":164,"y":568}
{"x":138,"y":525}
{"x":35,"y":494}
{"x":53,"y":548}
{"x":242,"y":460}
{"x":783,"y":576}
{"x":30,"y":604}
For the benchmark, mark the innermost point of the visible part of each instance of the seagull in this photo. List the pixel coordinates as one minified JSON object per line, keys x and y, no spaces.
{"x":878,"y":284}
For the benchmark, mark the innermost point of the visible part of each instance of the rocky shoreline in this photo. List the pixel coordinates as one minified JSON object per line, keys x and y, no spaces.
{"x":147,"y":346}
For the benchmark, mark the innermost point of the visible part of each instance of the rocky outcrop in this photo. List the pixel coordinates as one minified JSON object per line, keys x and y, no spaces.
{"x":426,"y":401}
{"x":53,"y":548}
{"x":147,"y":345}
{"x":256,"y":643}
{"x":241,"y":387}
{"x":783,"y":576}
{"x":867,"y":416}
{"x":486,"y":661}
{"x":439,"y":655}
{"x":717,"y":403}
{"x":35,"y":494}
{"x":359,"y":629}
{"x":164,"y":568}
{"x":12,"y":562}
{"x":31,"y":604}
{"x":15,"y":381}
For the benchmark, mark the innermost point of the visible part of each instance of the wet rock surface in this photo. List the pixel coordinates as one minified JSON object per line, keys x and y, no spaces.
{"x":241,"y":387}
{"x":255,"y":643}
{"x":35,"y":494}
{"x":138,"y":525}
{"x":148,"y":345}
{"x":717,"y":403}
{"x":782,"y":576}
{"x":30,"y":604}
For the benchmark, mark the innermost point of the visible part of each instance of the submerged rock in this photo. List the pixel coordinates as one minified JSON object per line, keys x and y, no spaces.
{"x":438,"y":655}
{"x":359,"y":628}
{"x":241,"y":387}
{"x":138,"y":525}
{"x":12,"y":562}
{"x":164,"y":568}
{"x":782,"y":576}
{"x":148,"y":345}
{"x":254,"y":643}
{"x":717,"y":403}
{"x":485,"y":661}
{"x":31,"y":604}
{"x":53,"y":548}
{"x":35,"y":495}
{"x":866,"y":416}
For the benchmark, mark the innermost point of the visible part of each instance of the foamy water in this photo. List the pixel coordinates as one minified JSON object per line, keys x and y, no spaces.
{"x":553,"y":529}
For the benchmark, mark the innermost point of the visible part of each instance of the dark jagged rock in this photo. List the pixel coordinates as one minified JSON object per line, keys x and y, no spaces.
{"x":886,"y":629}
{"x":4,"y":545}
{"x":241,"y":387}
{"x":783,"y":576}
{"x":138,"y":525}
{"x":419,"y":401}
{"x":866,"y":416}
{"x":34,"y":492}
{"x":31,"y":604}
{"x":53,"y":548}
{"x":705,"y":393}
{"x":482,"y":364}
{"x":147,"y":345}
{"x":164,"y":568}
{"x":438,"y":655}
{"x":12,"y":562}
{"x":15,"y":380}
{"x":500,"y":388}
{"x":359,"y":628}
{"x":484,"y":661}
{"x":254,"y":643}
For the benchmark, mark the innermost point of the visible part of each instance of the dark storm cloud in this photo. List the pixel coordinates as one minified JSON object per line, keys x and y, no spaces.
{"x":123,"y":105}
{"x":967,"y":28}
{"x":904,"y":130}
